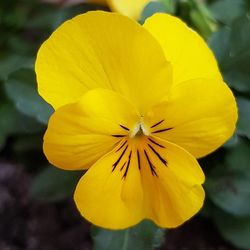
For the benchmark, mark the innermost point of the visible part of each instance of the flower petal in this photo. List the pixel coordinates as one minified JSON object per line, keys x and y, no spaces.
{"x":107,"y":199}
{"x":199,"y":116}
{"x":175,"y":194}
{"x":79,"y":134}
{"x":118,"y":195}
{"x":183,"y":47}
{"x":130,"y":8}
{"x":102,"y":50}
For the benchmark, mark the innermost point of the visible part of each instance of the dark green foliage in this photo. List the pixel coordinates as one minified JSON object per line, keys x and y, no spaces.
{"x":234,"y":229}
{"x":226,"y":11}
{"x":156,"y":7}
{"x":24,"y":115}
{"x":144,"y":236}
{"x":21,"y":88}
{"x":231,"y":47}
{"x":53,"y":184}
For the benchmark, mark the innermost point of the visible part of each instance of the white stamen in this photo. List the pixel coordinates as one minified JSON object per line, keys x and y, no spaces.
{"x":138,"y":129}
{"x":144,"y":130}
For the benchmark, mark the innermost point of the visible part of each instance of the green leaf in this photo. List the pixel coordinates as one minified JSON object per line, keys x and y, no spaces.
{"x":54,"y":184}
{"x":28,"y":143}
{"x":235,"y":230}
{"x":12,"y":122}
{"x":21,"y":89}
{"x":170,"y":5}
{"x":231,"y":142}
{"x":44,"y":17}
{"x":238,"y":157}
{"x":201,"y":23}
{"x":144,"y":236}
{"x":71,"y":11}
{"x":243,"y":127}
{"x":12,"y":62}
{"x":229,"y":187}
{"x":20,"y":45}
{"x":201,"y":18}
{"x":227,"y":11}
{"x":231,"y":47}
{"x":152,"y":8}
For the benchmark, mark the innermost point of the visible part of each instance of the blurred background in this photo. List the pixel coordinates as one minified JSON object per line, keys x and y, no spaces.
{"x":36,"y":207}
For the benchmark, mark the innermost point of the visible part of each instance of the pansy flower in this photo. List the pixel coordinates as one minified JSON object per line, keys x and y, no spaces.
{"x":135,"y":106}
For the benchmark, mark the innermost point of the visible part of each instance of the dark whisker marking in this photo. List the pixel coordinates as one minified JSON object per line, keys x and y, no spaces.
{"x":139,"y":160}
{"x":113,"y":168}
{"x":117,"y":143}
{"x":127,"y":167}
{"x":158,"y":155}
{"x":158,"y":123}
{"x":116,"y":163}
{"x":152,"y":167}
{"x":123,"y":166}
{"x":124,"y":127}
{"x":118,"y":135}
{"x":161,"y":130}
{"x":121,"y":146}
{"x":156,"y":143}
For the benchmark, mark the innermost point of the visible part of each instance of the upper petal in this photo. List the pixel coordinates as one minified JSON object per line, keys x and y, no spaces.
{"x":199,"y":116}
{"x":79,"y":134}
{"x":183,"y":47}
{"x":106,"y":50}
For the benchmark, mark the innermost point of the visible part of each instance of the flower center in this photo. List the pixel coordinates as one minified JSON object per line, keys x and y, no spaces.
{"x":138,"y":147}
{"x":139,"y":130}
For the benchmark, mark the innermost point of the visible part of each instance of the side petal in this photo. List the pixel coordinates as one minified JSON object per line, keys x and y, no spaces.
{"x":108,"y":197}
{"x":173,"y":192}
{"x":79,"y":134}
{"x":183,"y":47}
{"x":102,"y":50}
{"x":199,"y":116}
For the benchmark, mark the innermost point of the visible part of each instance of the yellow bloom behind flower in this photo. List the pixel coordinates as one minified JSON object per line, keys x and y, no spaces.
{"x":130,"y":8}
{"x":135,"y":105}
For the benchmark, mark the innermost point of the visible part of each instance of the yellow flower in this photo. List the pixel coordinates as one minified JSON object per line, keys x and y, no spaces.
{"x":130,"y":8}
{"x":135,"y":105}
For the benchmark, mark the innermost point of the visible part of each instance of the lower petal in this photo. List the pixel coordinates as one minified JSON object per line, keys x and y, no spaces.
{"x":109,"y":195}
{"x":133,"y":183}
{"x":174,"y":194}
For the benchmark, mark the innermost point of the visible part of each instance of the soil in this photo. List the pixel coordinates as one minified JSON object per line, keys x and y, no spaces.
{"x":26,"y":224}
